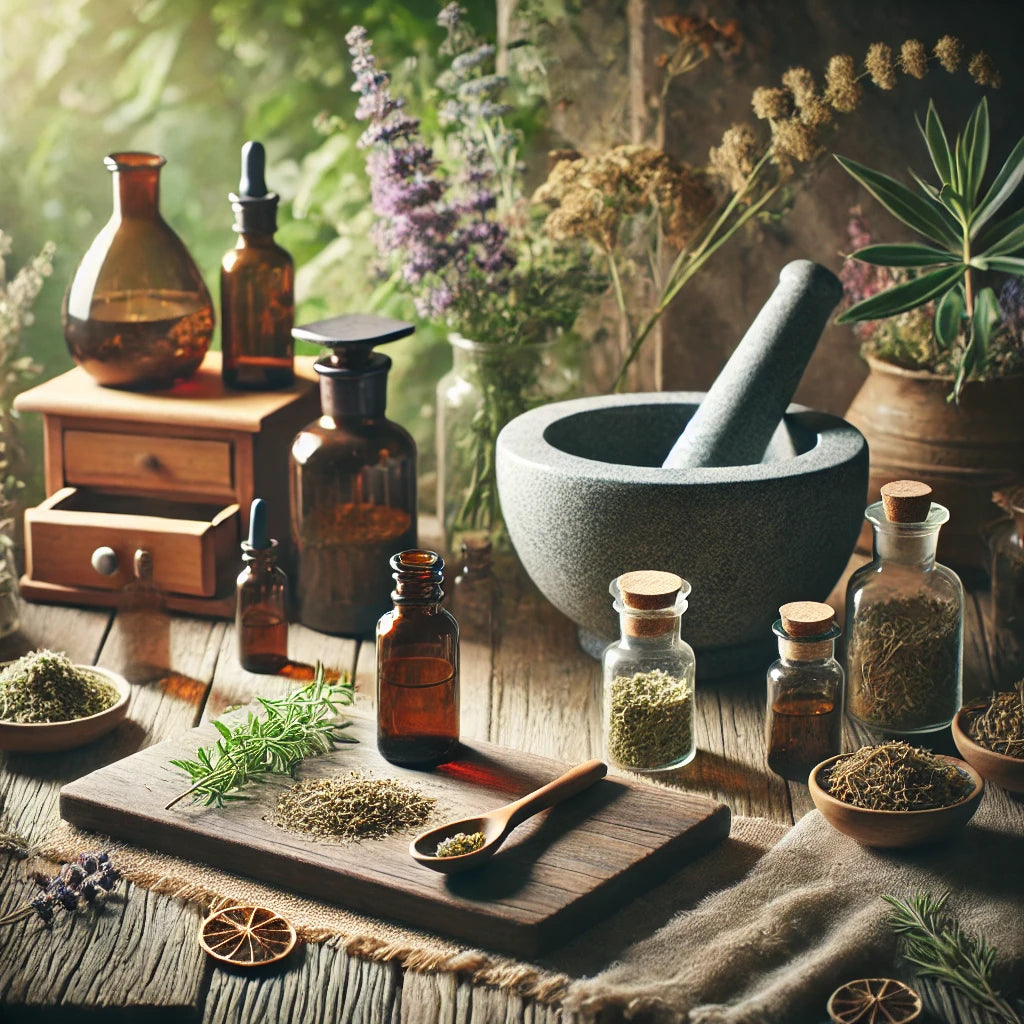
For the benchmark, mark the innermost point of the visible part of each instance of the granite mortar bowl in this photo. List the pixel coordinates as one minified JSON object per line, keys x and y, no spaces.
{"x":585,"y":498}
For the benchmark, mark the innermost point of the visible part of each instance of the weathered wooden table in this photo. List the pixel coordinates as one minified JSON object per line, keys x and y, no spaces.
{"x":533,"y":689}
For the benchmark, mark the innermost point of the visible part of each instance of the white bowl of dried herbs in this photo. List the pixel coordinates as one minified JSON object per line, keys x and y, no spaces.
{"x":47,"y":703}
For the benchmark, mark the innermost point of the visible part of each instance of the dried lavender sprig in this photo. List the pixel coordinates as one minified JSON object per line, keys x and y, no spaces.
{"x":87,"y":880}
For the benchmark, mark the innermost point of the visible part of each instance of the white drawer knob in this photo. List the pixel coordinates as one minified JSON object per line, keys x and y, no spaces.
{"x":104,"y":561}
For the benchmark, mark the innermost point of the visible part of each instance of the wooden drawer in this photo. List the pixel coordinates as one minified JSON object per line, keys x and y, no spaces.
{"x":190,"y":542}
{"x":148,"y":462}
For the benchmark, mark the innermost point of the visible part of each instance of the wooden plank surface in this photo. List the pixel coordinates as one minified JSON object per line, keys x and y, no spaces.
{"x":558,"y":873}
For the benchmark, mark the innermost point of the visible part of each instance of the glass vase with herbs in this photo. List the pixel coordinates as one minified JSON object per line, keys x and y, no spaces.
{"x":648,"y":706}
{"x":455,"y":229}
{"x":904,"y":620}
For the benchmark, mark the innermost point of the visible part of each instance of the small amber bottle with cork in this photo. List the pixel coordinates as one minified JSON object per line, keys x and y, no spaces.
{"x":261,"y":615}
{"x":648,"y":706}
{"x":257,"y":288}
{"x":804,"y":721}
{"x":417,"y":666}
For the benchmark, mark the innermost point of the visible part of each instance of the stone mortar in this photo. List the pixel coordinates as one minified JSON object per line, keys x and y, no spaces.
{"x":585,"y":498}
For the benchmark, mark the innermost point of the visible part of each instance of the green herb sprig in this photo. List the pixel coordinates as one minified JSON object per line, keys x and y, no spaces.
{"x":297,"y":726}
{"x":935,"y":943}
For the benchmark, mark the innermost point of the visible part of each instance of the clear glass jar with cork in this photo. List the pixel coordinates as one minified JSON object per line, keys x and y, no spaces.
{"x":804,"y":719}
{"x":648,"y":705}
{"x":904,"y":620}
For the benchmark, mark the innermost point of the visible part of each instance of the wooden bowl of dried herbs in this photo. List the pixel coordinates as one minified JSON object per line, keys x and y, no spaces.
{"x":49,"y":704}
{"x":895,"y":794}
{"x":990,"y":736}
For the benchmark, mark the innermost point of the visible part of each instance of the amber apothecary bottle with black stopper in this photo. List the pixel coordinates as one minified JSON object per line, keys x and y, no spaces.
{"x":353,"y":481}
{"x":904,"y":620}
{"x":137,"y":313}
{"x":417,"y":666}
{"x":804,"y":720}
{"x":257,"y":288}
{"x":261,"y":608}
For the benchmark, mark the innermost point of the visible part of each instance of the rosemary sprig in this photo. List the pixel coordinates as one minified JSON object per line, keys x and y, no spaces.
{"x":934,"y":941}
{"x":297,"y":726}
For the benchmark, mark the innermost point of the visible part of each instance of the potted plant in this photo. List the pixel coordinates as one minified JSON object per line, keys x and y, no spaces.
{"x":945,"y":349}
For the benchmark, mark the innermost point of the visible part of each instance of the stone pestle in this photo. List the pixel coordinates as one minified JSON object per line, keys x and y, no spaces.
{"x":735,"y":423}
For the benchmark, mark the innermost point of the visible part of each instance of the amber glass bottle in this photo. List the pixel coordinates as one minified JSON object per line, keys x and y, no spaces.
{"x":353,"y":481}
{"x":257,"y":288}
{"x":137,"y":313}
{"x":261,"y":615}
{"x":417,"y":667}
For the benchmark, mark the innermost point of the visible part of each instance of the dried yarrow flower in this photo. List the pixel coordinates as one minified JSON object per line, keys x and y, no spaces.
{"x":792,"y":138}
{"x":914,"y":58}
{"x":735,"y":159}
{"x":842,"y":89}
{"x":816,"y":113}
{"x":800,"y":82}
{"x":880,"y":67}
{"x":772,"y":104}
{"x":983,"y":71}
{"x":949,"y":52}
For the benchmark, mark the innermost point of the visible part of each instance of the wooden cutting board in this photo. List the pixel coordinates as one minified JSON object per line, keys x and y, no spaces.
{"x":557,"y":874}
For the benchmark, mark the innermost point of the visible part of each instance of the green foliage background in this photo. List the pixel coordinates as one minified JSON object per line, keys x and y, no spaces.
{"x":193,"y":80}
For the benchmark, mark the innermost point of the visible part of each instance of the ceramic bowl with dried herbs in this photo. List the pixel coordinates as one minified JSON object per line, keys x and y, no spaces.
{"x":895,"y":795}
{"x":49,"y":704}
{"x":990,"y":737}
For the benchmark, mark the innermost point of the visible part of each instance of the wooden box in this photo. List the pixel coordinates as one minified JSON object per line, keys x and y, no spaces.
{"x":171,"y":471}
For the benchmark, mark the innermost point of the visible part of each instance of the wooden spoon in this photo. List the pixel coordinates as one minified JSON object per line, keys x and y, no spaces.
{"x":497,"y":824}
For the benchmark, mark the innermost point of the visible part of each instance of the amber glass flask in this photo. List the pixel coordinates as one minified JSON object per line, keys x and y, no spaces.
{"x":261,"y":608}
{"x":257,"y":288}
{"x":353,"y":482}
{"x":417,"y":667}
{"x":137,"y":313}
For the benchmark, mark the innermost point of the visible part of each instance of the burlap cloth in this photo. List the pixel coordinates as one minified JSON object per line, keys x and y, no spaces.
{"x":760,"y":930}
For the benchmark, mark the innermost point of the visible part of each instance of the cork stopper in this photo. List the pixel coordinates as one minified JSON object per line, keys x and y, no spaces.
{"x":906,"y":501}
{"x":806,"y":618}
{"x":648,"y":589}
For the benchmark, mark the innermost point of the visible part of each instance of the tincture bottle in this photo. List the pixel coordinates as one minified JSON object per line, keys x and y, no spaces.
{"x":904,"y":620}
{"x":144,"y":623}
{"x":417,"y":667}
{"x":648,"y":706}
{"x":1006,"y":549}
{"x":261,"y":605}
{"x":257,"y":288}
{"x":353,"y":481}
{"x":804,"y":720}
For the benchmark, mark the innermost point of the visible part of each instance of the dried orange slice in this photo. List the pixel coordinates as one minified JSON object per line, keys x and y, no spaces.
{"x":874,"y":1001}
{"x":247,"y":936}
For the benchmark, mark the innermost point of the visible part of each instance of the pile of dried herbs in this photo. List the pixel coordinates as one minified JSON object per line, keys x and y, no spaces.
{"x":460,"y":844}
{"x":45,"y":687}
{"x":1000,"y":727}
{"x":904,"y":658}
{"x":650,"y":720}
{"x":895,"y":776}
{"x":354,"y":806}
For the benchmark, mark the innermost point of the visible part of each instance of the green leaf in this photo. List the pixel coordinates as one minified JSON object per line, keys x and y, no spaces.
{"x":904,"y":255}
{"x":986,"y":318}
{"x":1009,"y":177}
{"x":994,"y":234}
{"x":1007,"y":264}
{"x":905,"y":296}
{"x":222,"y":729}
{"x":976,"y":146}
{"x":926,"y":216}
{"x":949,"y":314}
{"x":938,"y":145}
{"x":954,"y":202}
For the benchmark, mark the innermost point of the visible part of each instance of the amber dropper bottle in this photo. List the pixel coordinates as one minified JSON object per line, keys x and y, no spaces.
{"x":257,"y":288}
{"x":417,"y":667}
{"x":261,"y":616}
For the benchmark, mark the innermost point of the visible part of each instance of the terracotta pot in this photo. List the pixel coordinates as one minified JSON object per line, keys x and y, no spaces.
{"x":963,"y":451}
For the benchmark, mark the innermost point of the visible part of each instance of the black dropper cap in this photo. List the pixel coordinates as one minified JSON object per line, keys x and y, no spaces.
{"x":255,"y":208}
{"x":258,"y":538}
{"x":353,"y":378}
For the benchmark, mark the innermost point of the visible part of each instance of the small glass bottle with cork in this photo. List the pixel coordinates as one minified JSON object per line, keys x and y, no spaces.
{"x":904,"y":620}
{"x":804,"y":720}
{"x":648,"y":705}
{"x":261,"y":607}
{"x":417,"y":667}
